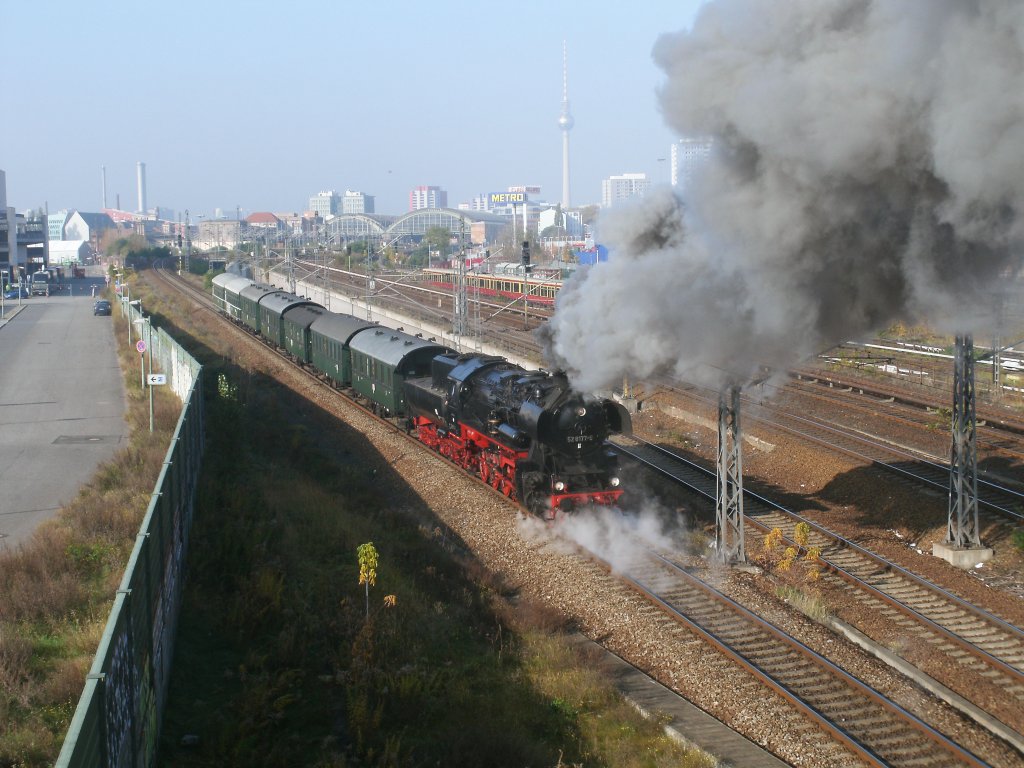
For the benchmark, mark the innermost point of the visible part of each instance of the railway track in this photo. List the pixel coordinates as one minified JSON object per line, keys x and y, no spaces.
{"x":997,"y":498}
{"x":998,"y":433}
{"x":987,"y":649}
{"x":924,"y":372}
{"x":873,"y":728}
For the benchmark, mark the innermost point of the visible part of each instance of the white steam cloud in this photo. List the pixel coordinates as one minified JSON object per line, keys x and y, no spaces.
{"x":620,"y":540}
{"x":868,"y":166}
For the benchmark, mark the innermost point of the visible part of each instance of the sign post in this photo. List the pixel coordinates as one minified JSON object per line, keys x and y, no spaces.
{"x":149,"y":336}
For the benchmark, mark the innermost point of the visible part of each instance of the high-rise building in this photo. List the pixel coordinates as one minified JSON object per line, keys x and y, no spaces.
{"x":427,"y":197}
{"x":325,"y":203}
{"x":24,"y":246}
{"x":356,"y":202}
{"x":687,"y":154}
{"x":478,"y":203}
{"x":565,"y":123}
{"x":615,"y":189}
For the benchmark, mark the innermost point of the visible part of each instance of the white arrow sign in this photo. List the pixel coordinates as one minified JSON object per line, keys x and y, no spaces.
{"x":155,"y":379}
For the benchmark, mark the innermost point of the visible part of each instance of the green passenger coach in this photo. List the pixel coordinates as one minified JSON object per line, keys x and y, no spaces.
{"x":274,"y":307}
{"x":329,"y":338}
{"x":382,"y":359}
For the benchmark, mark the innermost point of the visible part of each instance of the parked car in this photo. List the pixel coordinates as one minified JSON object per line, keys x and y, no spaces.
{"x":12,"y":293}
{"x":101,"y":307}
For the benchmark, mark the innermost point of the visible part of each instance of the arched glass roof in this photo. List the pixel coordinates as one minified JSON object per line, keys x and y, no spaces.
{"x":414,"y":224}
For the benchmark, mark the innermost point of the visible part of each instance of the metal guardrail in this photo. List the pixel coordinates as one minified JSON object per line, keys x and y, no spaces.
{"x":118,"y":718}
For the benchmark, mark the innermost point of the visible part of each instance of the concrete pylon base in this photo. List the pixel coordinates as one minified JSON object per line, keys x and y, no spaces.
{"x":631,"y":404}
{"x":962,"y":557}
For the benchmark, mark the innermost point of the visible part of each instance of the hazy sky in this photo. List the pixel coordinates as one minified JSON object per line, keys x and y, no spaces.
{"x":261,"y":104}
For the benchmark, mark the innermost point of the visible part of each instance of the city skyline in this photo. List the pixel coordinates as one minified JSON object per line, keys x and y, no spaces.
{"x":226,"y":115}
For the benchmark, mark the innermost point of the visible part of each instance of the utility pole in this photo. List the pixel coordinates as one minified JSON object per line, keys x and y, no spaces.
{"x":149,"y":348}
{"x":962,"y":547}
{"x":527,"y":269}
{"x":461,"y":314}
{"x":997,"y":343}
{"x":188,"y":244}
{"x":962,"y":527}
{"x":289,"y":251}
{"x":729,"y":501}
{"x":325,"y":265}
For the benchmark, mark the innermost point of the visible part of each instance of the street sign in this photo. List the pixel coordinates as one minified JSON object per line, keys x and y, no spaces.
{"x":141,"y":346}
{"x":156,"y":379}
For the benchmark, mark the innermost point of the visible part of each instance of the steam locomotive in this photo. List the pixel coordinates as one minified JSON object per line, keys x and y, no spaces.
{"x":525,"y":433}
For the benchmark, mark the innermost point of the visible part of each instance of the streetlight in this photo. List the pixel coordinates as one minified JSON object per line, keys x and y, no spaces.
{"x":126,"y":296}
{"x":142,"y":355}
{"x":141,"y":346}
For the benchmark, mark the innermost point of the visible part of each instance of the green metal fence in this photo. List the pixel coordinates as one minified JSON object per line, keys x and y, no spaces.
{"x":117,"y":722}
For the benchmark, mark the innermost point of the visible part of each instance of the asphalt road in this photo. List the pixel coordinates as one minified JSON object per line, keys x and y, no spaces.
{"x":62,"y":405}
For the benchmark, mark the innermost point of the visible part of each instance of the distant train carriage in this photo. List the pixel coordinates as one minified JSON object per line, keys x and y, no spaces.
{"x":273,"y":309}
{"x":382,"y":360}
{"x":226,"y":287}
{"x":330,"y":335}
{"x":249,"y":299}
{"x":506,"y":283}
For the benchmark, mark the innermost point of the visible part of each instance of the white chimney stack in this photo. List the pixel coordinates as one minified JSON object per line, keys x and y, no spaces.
{"x":142,"y":186}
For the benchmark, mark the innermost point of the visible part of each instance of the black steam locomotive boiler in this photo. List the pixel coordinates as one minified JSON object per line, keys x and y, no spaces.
{"x":525,"y":433}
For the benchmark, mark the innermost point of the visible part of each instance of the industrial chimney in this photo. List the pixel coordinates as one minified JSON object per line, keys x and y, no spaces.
{"x":142,"y":186}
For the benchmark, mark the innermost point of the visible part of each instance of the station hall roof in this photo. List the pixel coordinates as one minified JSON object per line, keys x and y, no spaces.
{"x":412,"y":223}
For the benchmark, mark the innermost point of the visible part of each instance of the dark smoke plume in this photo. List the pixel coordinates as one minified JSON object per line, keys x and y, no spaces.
{"x":868,"y":166}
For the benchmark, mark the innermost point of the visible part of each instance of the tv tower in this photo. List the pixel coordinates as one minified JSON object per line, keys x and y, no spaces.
{"x":565,"y":123}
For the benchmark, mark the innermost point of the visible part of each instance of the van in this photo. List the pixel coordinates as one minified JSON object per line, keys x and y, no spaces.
{"x":40,"y":283}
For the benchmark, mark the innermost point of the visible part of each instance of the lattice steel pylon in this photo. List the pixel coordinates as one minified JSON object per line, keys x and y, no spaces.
{"x":460,"y":319}
{"x":289,"y":255}
{"x":325,"y":276}
{"x":962,"y":529}
{"x":729,"y":503}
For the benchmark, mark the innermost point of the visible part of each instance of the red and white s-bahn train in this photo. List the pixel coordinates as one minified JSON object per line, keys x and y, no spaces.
{"x":505,"y":282}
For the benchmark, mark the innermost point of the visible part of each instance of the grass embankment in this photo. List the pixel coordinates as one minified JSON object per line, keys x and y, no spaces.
{"x":56,"y":590}
{"x":277,"y":662}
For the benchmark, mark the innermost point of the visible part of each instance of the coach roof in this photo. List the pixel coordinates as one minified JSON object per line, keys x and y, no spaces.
{"x":391,"y":347}
{"x":339,"y":327}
